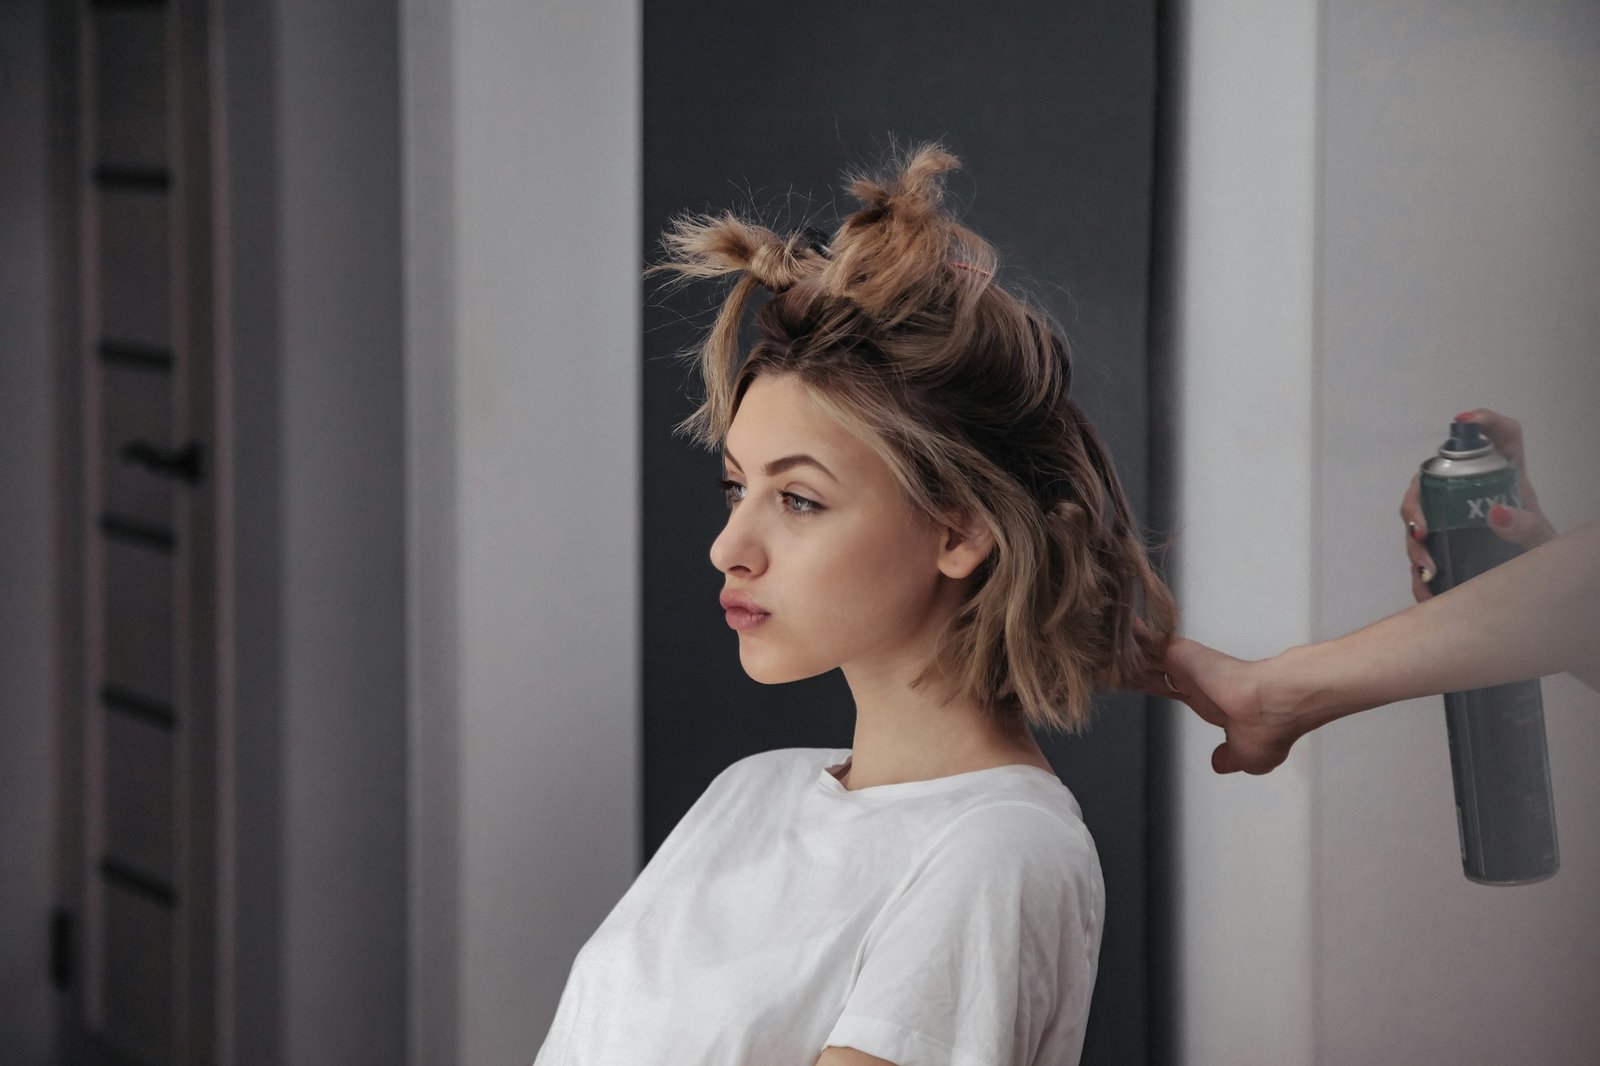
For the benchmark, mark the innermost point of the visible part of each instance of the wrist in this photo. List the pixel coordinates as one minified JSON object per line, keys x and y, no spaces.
{"x":1306,"y":683}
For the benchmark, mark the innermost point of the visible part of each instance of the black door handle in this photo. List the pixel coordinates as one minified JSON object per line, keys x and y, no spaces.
{"x":181,"y":462}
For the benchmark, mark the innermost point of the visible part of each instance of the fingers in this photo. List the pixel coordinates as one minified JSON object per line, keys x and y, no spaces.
{"x":1411,"y":509}
{"x":1196,"y":702}
{"x":1421,"y":574}
{"x":1156,"y":685}
{"x":1422,"y":565}
{"x":1226,"y":759}
{"x":1505,"y":433}
{"x":1185,"y":657}
{"x":1162,"y":679}
{"x":1183,"y":676}
{"x":1528,"y":529}
{"x":1142,"y":635}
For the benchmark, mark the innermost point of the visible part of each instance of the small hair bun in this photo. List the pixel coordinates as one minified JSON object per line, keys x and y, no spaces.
{"x":896,"y":252}
{"x":708,"y":246}
{"x":913,"y":193}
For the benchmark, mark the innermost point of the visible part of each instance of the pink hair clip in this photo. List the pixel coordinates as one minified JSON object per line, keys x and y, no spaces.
{"x":962,"y":265}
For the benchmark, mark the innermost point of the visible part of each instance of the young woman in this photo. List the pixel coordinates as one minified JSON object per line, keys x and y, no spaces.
{"x":915,"y":500}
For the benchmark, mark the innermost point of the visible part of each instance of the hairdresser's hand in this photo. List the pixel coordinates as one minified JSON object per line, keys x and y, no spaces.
{"x":1257,"y":714}
{"x":1525,"y":525}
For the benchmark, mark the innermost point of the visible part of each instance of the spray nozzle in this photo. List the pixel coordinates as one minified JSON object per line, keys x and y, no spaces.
{"x":1466,"y":439}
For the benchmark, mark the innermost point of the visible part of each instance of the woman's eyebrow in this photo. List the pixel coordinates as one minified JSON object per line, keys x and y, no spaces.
{"x":778,"y":466}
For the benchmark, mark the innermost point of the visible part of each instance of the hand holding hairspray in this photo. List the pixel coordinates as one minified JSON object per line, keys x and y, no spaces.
{"x":1504,"y":807}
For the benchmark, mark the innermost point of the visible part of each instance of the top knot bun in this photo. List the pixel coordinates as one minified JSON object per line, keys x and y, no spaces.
{"x":708,"y":246}
{"x":912,"y":194}
{"x":900,"y":250}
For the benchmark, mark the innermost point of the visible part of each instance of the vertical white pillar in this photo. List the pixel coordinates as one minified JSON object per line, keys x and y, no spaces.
{"x":523,"y":171}
{"x":1245,"y":334}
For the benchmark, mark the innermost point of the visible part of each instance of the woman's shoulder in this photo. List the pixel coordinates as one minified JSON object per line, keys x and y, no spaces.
{"x":1036,"y":834}
{"x":1023,"y":855}
{"x":740,"y":798}
{"x":764,"y":769}
{"x":1007,"y":822}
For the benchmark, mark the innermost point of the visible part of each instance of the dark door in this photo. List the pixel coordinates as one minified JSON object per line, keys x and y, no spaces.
{"x":136,"y":929}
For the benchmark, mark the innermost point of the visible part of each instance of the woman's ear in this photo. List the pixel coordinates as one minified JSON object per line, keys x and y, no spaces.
{"x":967,"y":543}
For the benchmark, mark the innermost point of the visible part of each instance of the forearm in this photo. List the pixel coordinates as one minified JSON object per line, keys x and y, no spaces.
{"x":1535,"y":615}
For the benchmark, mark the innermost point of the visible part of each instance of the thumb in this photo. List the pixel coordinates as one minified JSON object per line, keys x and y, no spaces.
{"x":1526,"y":528}
{"x":1222,"y":760}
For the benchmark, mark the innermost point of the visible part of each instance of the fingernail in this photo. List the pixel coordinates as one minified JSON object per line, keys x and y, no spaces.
{"x":1500,"y":516}
{"x":1465,"y":416}
{"x":1424,"y":573}
{"x":1416,"y":534}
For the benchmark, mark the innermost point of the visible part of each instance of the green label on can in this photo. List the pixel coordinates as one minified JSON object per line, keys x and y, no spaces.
{"x":1464,"y":502}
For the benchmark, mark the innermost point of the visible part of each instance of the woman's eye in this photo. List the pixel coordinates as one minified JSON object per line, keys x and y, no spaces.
{"x":793,"y":504}
{"x":799,"y":504}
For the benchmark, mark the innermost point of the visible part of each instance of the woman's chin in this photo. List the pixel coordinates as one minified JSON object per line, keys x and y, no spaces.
{"x":769,"y":670}
{"x":764,"y":673}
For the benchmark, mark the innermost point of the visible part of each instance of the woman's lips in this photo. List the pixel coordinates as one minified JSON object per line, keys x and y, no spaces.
{"x":743,"y":611}
{"x":742,"y":619}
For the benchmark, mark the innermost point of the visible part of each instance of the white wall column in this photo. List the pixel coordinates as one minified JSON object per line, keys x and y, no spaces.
{"x":1244,"y":285}
{"x":523,"y":260}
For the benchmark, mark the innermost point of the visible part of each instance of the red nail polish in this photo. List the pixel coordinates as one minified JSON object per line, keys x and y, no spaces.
{"x":1500,"y":515}
{"x":1464,"y":416}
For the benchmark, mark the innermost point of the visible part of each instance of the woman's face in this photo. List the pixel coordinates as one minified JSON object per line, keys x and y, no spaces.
{"x":848,"y":572}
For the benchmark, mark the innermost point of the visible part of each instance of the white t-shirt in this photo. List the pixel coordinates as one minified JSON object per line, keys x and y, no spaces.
{"x":954,"y":921}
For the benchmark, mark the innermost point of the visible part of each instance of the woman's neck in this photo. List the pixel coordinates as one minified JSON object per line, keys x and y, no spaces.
{"x":913,"y":738}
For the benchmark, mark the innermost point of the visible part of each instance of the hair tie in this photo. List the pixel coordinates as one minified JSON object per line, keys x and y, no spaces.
{"x":817,"y":241}
{"x":962,"y":265}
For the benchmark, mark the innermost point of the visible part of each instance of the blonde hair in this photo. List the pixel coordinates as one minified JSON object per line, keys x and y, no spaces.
{"x":898,"y":330}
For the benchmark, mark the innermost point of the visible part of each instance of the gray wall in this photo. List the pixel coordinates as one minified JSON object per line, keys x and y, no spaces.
{"x":27,"y":778}
{"x":317,"y":664}
{"x":343,"y":592}
{"x":434,"y":862}
{"x":1388,"y":213}
{"x":1458,"y":261}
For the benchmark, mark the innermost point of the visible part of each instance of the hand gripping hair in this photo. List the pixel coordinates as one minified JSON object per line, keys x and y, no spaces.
{"x":899,"y":330}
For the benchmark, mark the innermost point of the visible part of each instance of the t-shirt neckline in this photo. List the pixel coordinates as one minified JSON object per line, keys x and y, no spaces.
{"x":840,"y":757}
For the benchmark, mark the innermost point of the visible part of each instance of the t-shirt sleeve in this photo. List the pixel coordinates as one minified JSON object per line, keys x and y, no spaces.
{"x":987,"y":952}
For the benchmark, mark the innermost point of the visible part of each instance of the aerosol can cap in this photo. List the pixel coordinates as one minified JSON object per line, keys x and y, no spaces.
{"x":1466,"y":440}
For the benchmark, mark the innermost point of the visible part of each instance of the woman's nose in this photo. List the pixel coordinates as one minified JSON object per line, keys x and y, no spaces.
{"x":735,"y":546}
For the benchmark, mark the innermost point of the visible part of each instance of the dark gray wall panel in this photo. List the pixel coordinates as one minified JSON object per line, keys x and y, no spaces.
{"x":1051,"y":108}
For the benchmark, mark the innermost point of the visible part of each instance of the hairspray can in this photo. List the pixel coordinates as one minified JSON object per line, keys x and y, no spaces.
{"x":1504,"y":807}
